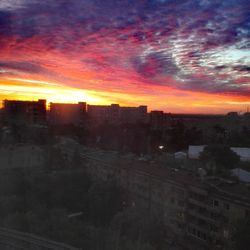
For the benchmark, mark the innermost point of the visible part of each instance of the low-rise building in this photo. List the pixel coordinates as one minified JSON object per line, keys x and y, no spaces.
{"x":241,"y":174}
{"x":195,"y":151}
{"x":243,"y":153}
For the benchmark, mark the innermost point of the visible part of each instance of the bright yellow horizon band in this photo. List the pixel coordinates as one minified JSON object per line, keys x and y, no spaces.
{"x":186,"y":102}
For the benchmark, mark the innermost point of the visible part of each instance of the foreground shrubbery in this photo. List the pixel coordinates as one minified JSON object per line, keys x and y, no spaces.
{"x":49,"y":205}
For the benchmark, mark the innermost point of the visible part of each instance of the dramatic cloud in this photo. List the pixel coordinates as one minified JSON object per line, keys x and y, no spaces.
{"x":21,"y":66}
{"x":144,"y":48}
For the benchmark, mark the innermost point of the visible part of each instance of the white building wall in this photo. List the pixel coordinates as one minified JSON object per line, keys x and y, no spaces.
{"x":194,"y":151}
{"x":244,"y":153}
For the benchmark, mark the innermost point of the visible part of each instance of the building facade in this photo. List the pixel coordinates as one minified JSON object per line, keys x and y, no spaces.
{"x":198,"y":211}
{"x":67,"y":113}
{"x":117,"y":114}
{"x":24,"y":112}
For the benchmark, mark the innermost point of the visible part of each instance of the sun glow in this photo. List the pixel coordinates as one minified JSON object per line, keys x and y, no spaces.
{"x":52,"y":92}
{"x":175,"y":100}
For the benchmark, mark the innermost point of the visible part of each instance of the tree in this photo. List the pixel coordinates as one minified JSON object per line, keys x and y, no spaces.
{"x":77,"y":160}
{"x":140,"y":225}
{"x":222,"y":156}
{"x":105,"y":200}
{"x":194,"y":136}
{"x":178,"y":140}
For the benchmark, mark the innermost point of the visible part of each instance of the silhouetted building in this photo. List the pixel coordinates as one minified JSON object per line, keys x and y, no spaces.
{"x":67,"y":113}
{"x":116,"y":114}
{"x":233,"y":115}
{"x":1,"y":117}
{"x":246,"y":118}
{"x":24,"y":112}
{"x":133,"y":114}
{"x":104,"y":113}
{"x":156,"y":119}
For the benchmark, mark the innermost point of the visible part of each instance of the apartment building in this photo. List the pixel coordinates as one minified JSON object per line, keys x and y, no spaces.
{"x":198,"y":211}
{"x":67,"y":113}
{"x":114,"y":113}
{"x":24,"y":112}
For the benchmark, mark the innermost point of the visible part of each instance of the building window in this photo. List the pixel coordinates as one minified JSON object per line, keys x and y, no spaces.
{"x":247,"y":213}
{"x":215,"y":203}
{"x":214,"y":228}
{"x":199,"y":234}
{"x":226,"y":206}
{"x":204,"y":236}
{"x":213,"y":216}
{"x":181,"y":203}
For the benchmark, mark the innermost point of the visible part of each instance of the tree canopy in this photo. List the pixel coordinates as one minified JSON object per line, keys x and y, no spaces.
{"x":221,"y":155}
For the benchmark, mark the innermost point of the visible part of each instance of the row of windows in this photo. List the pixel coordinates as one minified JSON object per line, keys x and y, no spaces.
{"x":197,"y":233}
{"x":216,"y":203}
{"x":177,"y":190}
{"x":213,"y":202}
{"x":180,"y":203}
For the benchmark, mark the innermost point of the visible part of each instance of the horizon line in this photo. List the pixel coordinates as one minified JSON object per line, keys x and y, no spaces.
{"x":148,"y":111}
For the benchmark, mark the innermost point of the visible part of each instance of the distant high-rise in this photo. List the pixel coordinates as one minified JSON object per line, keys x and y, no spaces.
{"x":114,"y":113}
{"x":24,"y":112}
{"x":67,"y":113}
{"x":133,"y":114}
{"x":157,"y":119}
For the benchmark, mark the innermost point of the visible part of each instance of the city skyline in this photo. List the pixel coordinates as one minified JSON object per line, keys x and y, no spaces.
{"x":175,"y":56}
{"x":110,"y":105}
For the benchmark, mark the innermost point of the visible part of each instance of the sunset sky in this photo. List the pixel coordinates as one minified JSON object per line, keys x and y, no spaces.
{"x":185,"y":56}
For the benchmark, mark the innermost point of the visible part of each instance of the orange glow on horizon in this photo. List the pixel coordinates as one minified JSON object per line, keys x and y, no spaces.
{"x":22,"y":89}
{"x":166,"y":99}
